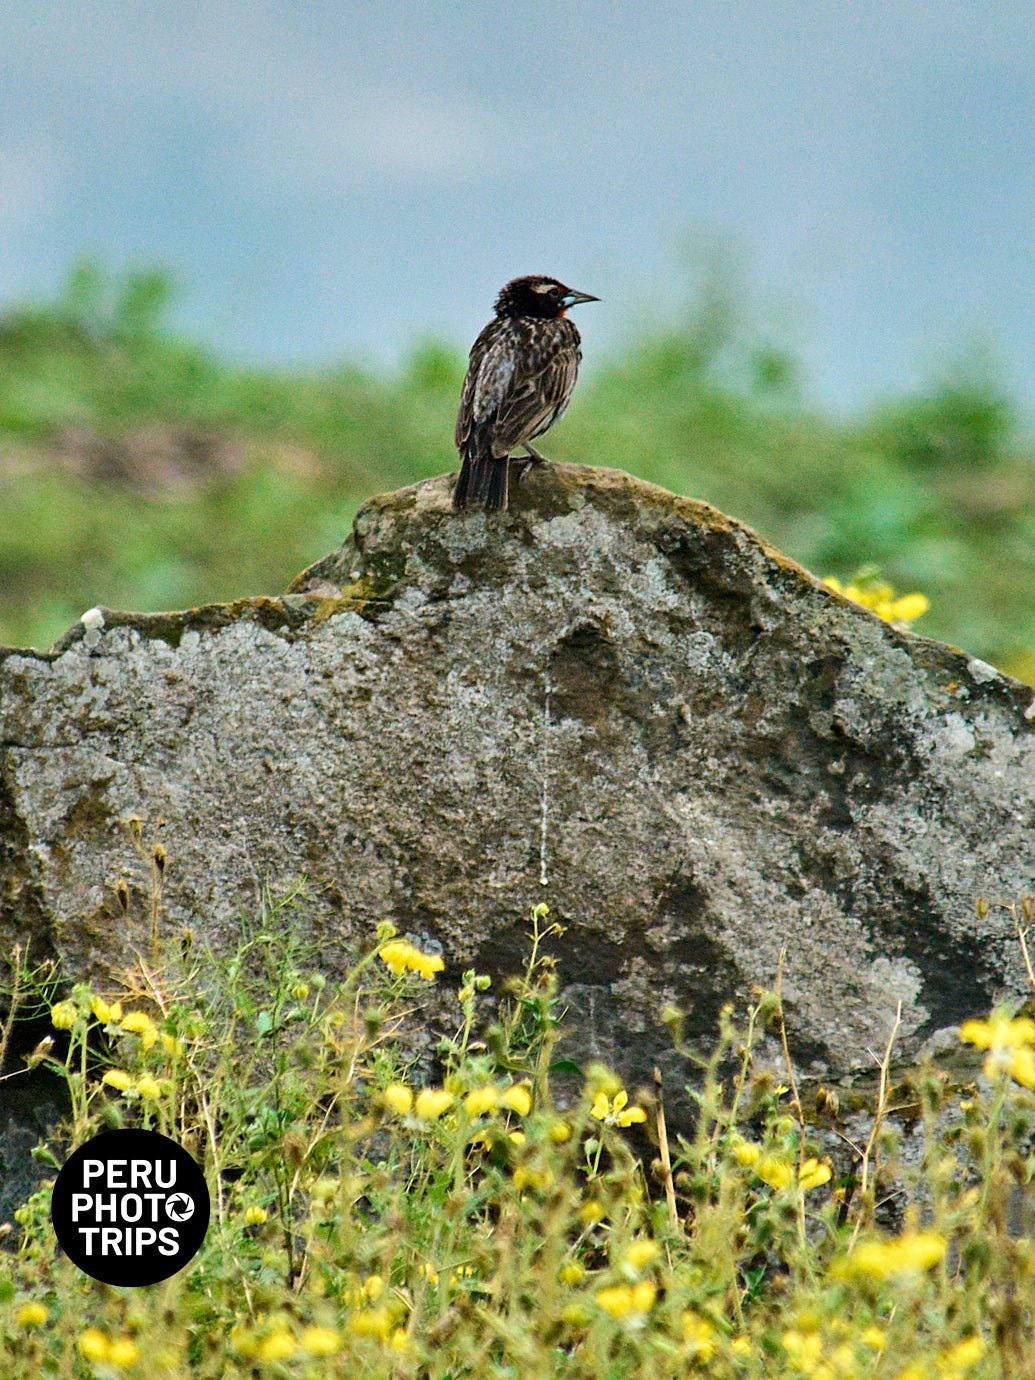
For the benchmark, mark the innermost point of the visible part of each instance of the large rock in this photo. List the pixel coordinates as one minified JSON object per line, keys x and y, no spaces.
{"x":611,"y":699}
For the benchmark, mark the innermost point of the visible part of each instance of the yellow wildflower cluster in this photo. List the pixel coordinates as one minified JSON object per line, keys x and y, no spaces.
{"x":525,"y":1176}
{"x":900,"y":1256}
{"x":700,"y":1337}
{"x":777,"y":1173}
{"x":954,"y":1363}
{"x":628,"y":1302}
{"x":140,"y":1023}
{"x":118,"y":1353}
{"x":402,"y":957}
{"x":279,"y":1342}
{"x":616,"y":1111}
{"x":144,"y":1086}
{"x":431,"y":1103}
{"x":105,"y":1013}
{"x":31,"y":1314}
{"x":64,"y":1015}
{"x":1009,"y":1043}
{"x":481,"y":1100}
{"x":398,"y":1099}
{"x":880,"y":598}
{"x":641,"y":1254}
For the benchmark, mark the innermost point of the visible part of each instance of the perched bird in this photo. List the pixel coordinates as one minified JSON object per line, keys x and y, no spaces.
{"x":523,"y":367}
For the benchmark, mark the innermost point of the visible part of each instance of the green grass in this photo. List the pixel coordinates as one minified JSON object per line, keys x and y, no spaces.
{"x":500,"y":1222}
{"x":935,"y":488}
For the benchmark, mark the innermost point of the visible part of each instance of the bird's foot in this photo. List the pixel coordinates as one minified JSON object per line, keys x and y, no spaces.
{"x":534,"y":459}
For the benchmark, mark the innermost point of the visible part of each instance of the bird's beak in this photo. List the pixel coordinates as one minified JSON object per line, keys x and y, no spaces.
{"x":572,"y":298}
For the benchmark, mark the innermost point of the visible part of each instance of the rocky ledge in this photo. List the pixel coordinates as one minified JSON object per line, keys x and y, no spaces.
{"x":610,"y":699}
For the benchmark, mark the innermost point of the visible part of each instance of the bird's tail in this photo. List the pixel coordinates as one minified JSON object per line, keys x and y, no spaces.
{"x":482,"y":481}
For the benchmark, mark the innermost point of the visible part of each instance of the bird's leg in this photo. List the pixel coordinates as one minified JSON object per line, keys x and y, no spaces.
{"x":534,"y":458}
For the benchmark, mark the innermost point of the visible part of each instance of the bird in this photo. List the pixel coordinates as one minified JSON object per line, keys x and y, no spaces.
{"x":520,"y":377}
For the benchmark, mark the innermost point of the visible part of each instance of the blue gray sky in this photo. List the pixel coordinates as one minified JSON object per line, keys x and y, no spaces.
{"x":332,"y":178}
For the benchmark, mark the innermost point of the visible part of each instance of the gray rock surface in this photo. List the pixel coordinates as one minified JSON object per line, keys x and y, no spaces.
{"x":611,"y":699}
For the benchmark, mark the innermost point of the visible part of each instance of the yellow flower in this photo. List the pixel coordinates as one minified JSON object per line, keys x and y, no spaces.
{"x":319,"y":1341}
{"x":398,"y":1099}
{"x":616,"y":1112}
{"x":429,"y":1272}
{"x":999,"y":1032}
{"x":559,"y":1132}
{"x":526,"y":1177}
{"x":123,"y":1353}
{"x":592,"y":1211}
{"x":432,"y":1102}
{"x":909,"y":1254}
{"x":812,"y":1174}
{"x":699,"y":1335}
{"x":140,"y":1023}
{"x":93,"y":1344}
{"x":107,"y":1015}
{"x":63,"y":1016}
{"x":136,"y":1022}
{"x":571,"y":1273}
{"x":243,"y":1340}
{"x":774,"y":1172}
{"x":641,"y":1254}
{"x":518,"y":1098}
{"x":118,"y":1078}
{"x":481,"y":1100}
{"x":148,"y":1086}
{"x":1022,"y":1067}
{"x":172,"y":1046}
{"x":372,"y":1322}
{"x":402,"y":957}
{"x":961,"y":1357}
{"x":517,"y":1137}
{"x":623,"y":1301}
{"x":874,"y":1338}
{"x":747,"y":1153}
{"x":254,"y":1216}
{"x":373,"y":1288}
{"x":31,"y":1315}
{"x":601,"y":1106}
{"x":880,"y":597}
{"x":803,"y":1348}
{"x":740,"y":1346}
{"x":909,"y":607}
{"x":277,"y":1346}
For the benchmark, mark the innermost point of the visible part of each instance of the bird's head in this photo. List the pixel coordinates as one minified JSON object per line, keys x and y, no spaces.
{"x":538,"y":296}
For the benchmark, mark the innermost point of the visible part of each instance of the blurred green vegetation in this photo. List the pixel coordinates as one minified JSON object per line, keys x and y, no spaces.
{"x":139,"y":469}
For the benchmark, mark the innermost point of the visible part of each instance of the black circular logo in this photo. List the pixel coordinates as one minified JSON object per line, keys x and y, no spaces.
{"x":130,"y":1207}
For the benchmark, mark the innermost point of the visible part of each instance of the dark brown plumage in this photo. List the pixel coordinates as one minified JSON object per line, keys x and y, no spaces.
{"x":521,"y":374}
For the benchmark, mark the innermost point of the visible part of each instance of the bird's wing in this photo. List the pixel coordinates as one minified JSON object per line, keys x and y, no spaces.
{"x":539,"y":387}
{"x":488,"y":374}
